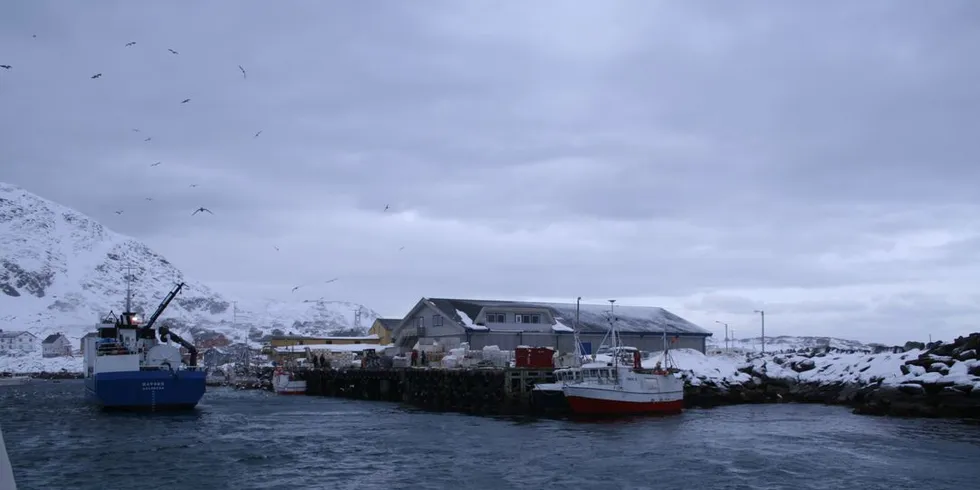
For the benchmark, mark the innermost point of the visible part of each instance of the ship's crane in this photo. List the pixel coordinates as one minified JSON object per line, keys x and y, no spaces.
{"x":146,"y":331}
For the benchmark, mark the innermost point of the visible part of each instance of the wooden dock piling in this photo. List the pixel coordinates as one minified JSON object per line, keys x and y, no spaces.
{"x":476,"y":391}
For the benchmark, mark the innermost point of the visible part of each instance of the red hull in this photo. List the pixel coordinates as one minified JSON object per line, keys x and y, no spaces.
{"x":592,"y":406}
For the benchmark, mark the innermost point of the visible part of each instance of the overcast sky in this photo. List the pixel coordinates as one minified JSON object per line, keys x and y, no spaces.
{"x":818,"y":161}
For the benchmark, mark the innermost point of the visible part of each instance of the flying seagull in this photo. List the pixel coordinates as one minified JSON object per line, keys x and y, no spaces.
{"x":304,"y":285}
{"x":275,"y":247}
{"x":386,"y":208}
{"x":185,"y":101}
{"x":148,"y":139}
{"x":401,"y":248}
{"x":172,"y":51}
{"x":201,"y":210}
{"x":131,"y":43}
{"x":119,"y":212}
{"x":155,"y":164}
{"x":97,"y":75}
{"x":136,"y":130}
{"x":257,"y":134}
{"x":244,"y":75}
{"x":149,"y":198}
{"x":6,"y":67}
{"x":193,"y":185}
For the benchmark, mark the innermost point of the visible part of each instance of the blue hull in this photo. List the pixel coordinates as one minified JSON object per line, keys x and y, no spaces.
{"x":146,"y":390}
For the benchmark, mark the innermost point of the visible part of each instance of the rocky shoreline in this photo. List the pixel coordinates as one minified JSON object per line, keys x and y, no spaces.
{"x":926,"y":387}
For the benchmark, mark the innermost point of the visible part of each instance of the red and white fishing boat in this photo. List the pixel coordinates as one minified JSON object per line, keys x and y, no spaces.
{"x":623,"y":386}
{"x":285,"y":383}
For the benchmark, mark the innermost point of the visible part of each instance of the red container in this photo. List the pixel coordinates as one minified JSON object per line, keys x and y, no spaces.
{"x":534,"y":357}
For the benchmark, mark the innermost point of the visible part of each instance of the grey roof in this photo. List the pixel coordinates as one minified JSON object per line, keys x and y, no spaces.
{"x":90,"y":334}
{"x":389,"y":323}
{"x":592,"y":318}
{"x":51,"y":338}
{"x":10,"y":334}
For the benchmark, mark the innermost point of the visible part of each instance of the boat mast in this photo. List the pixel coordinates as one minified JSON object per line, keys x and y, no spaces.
{"x":129,"y":291}
{"x":578,"y":344}
{"x":612,"y":332}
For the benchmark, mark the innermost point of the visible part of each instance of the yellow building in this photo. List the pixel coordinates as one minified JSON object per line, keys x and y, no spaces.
{"x":291,"y":340}
{"x":382,"y":328}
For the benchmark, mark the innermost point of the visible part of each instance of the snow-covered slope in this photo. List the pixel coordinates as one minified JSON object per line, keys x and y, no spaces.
{"x":787,"y":343}
{"x":60,"y":271}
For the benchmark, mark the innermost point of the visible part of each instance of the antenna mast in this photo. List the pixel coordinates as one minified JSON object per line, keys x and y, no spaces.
{"x":612,"y":331}
{"x":129,"y":291}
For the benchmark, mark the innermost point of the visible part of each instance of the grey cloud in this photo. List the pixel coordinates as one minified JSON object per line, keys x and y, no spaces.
{"x":738,"y":147}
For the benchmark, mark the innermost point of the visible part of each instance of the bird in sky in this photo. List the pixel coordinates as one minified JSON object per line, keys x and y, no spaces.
{"x":119,"y":212}
{"x":192,"y":185}
{"x":136,"y":130}
{"x":185,"y":101}
{"x":6,"y":67}
{"x":386,"y":208}
{"x":275,"y":247}
{"x":172,"y":51}
{"x":148,"y":138}
{"x":149,"y":198}
{"x":244,"y":75}
{"x":257,"y":134}
{"x":401,"y":248}
{"x":131,"y":43}
{"x":155,"y":164}
{"x":304,"y":285}
{"x":97,"y":75}
{"x":201,"y":210}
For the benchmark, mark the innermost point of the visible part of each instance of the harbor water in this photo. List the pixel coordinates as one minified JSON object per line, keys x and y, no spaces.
{"x":253,"y":440}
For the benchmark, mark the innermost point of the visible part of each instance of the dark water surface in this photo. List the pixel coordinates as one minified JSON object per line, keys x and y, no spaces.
{"x":246,"y":440}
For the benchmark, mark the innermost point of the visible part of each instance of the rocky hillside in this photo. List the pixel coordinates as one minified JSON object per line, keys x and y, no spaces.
{"x":61,"y":271}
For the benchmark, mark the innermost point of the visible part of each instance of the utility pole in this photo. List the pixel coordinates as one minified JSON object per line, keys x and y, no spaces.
{"x":726,"y":333}
{"x":763,"y":315}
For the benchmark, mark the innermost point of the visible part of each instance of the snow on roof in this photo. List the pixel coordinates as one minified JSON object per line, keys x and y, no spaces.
{"x":329,"y":348}
{"x":629,"y":319}
{"x":561,"y":327}
{"x":592,"y":318}
{"x":12,"y":334}
{"x":467,"y":322}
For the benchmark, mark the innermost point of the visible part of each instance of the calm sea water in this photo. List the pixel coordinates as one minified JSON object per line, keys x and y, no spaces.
{"x":251,"y":440}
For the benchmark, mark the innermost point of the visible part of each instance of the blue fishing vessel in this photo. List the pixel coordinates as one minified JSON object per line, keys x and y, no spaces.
{"x":132,"y":366}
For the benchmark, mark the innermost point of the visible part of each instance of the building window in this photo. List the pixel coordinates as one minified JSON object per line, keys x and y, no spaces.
{"x":496,"y":318}
{"x":527,"y":318}
{"x":420,"y":326}
{"x":436,"y":320}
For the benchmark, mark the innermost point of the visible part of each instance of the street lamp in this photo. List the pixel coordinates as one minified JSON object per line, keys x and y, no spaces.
{"x":726,"y":333}
{"x":763,"y":315}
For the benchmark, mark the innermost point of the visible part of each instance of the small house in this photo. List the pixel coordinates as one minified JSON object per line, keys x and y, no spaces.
{"x":382,"y":327}
{"x":17,"y":341}
{"x":55,"y":345}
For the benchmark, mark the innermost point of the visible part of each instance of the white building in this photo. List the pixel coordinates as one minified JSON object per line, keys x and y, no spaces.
{"x":56,"y":345}
{"x":17,"y":341}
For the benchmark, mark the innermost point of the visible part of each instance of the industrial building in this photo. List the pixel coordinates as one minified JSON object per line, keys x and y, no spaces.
{"x":508,"y":324}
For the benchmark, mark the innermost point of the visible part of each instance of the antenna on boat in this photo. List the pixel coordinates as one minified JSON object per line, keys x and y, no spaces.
{"x":612,"y":331}
{"x":575,"y":338}
{"x":129,"y":291}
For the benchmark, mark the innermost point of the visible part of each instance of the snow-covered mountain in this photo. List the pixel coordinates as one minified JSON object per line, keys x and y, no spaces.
{"x":788,"y":342}
{"x":61,"y":271}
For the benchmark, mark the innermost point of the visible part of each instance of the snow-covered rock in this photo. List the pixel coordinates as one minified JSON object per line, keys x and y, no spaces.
{"x":61,"y":271}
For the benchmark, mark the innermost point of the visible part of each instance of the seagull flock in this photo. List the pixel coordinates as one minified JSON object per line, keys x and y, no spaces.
{"x":201,"y":209}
